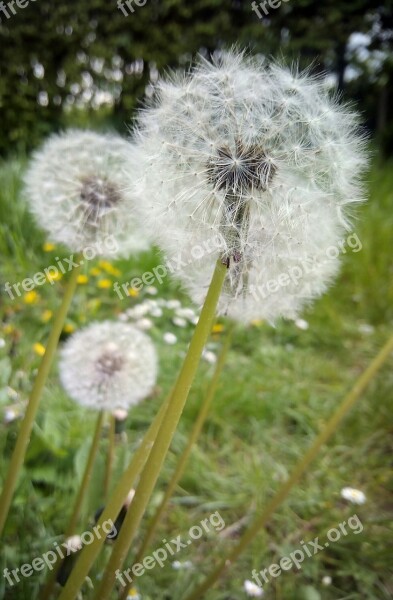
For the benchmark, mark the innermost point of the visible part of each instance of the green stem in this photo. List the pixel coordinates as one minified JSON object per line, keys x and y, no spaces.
{"x":195,"y":433}
{"x":47,"y":591}
{"x":110,"y":455}
{"x":113,"y":506}
{"x":86,"y":476}
{"x":298,"y":471}
{"x":22,"y":443}
{"x":167,"y":430}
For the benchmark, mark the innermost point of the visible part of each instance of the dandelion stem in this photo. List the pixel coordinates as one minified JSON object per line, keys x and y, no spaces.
{"x":86,"y":476}
{"x":22,"y":443}
{"x":298,"y":471}
{"x":112,"y":508}
{"x":165,"y":435}
{"x":195,"y":433}
{"x":47,"y":591}
{"x":110,"y":455}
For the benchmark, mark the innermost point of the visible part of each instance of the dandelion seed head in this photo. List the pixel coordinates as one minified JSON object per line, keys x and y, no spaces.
{"x":76,"y":189}
{"x":263,"y":159}
{"x":73,"y":543}
{"x":108,"y":366}
{"x":120,"y":414}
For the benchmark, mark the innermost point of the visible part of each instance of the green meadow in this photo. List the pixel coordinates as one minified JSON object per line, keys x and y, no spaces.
{"x":280,"y":384}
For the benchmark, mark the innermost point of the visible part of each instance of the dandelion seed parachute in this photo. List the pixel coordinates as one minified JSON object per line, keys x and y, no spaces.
{"x":108,"y":366}
{"x":75,"y":188}
{"x":260,"y":158}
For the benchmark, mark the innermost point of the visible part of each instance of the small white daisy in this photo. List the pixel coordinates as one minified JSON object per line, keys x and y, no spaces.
{"x":140,"y":310}
{"x":10,"y":415}
{"x":353,"y":495}
{"x":169,"y":338}
{"x":144,"y":324}
{"x":209,"y":357}
{"x":133,"y":594}
{"x":179,"y":322}
{"x":173,"y":304}
{"x":180,"y":565}
{"x":326,"y":580}
{"x":301,"y":324}
{"x":186,"y":313}
{"x":252,"y":590}
{"x":151,"y":290}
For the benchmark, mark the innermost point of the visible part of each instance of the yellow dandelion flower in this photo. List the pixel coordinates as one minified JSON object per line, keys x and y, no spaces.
{"x":39,"y":349}
{"x":256,"y":323}
{"x":82,"y":279}
{"x":46,"y":315}
{"x":48,"y":247}
{"x":109,"y":268}
{"x":8,"y":329}
{"x":104,"y":284}
{"x":104,"y":264}
{"x":54,"y":277}
{"x":30,"y":297}
{"x":132,"y":292}
{"x":68,"y":328}
{"x":95,"y":272}
{"x":93,"y":304}
{"x":218,"y":328}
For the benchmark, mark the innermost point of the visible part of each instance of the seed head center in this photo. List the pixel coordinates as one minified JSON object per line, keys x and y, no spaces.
{"x":110,"y":362}
{"x":99,"y":195}
{"x":241,"y":169}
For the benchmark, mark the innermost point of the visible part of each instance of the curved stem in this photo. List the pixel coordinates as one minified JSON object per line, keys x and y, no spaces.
{"x":47,"y":591}
{"x":112,"y":508}
{"x":110,"y":455}
{"x":195,"y":433}
{"x":23,"y":440}
{"x":165,"y":435}
{"x":298,"y":471}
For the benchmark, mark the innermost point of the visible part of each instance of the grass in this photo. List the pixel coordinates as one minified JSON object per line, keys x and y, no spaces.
{"x":279,"y":386}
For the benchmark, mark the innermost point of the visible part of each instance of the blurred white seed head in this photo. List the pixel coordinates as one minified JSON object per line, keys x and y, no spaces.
{"x":108,"y":366}
{"x":76,"y":189}
{"x":73,"y":543}
{"x":260,"y":157}
{"x":120,"y":414}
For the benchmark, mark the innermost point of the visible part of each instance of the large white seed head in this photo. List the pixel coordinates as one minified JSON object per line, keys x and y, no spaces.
{"x":108,"y":366}
{"x":261,"y":158}
{"x":76,"y":189}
